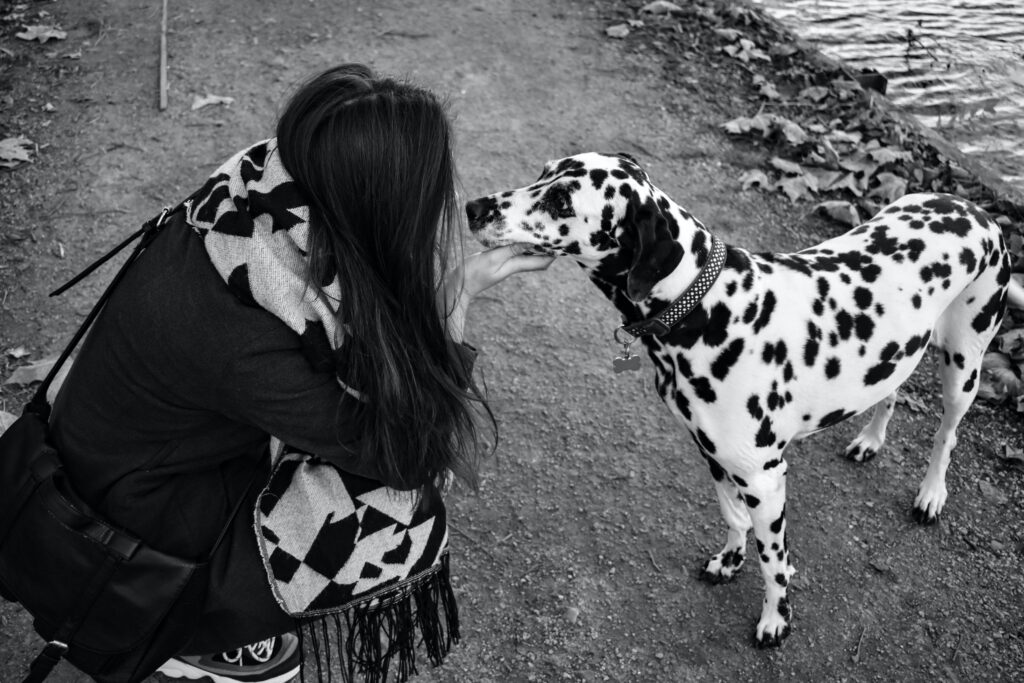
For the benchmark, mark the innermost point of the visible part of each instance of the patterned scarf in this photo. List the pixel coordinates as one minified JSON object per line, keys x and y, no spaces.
{"x":363,"y":568}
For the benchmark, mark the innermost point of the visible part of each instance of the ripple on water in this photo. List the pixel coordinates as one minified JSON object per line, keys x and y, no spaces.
{"x":957,"y":65}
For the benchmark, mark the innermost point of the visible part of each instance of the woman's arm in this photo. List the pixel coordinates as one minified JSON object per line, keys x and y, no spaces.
{"x":479,"y":272}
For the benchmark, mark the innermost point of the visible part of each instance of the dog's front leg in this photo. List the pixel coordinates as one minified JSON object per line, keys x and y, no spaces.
{"x":765,"y":495}
{"x":724,"y":565}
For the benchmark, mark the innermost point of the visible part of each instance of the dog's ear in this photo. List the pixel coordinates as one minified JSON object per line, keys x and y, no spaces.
{"x":655,"y":252}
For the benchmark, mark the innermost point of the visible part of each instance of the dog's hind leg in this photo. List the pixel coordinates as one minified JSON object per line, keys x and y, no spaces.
{"x":960,"y":379}
{"x":724,"y":565}
{"x":963,"y":333}
{"x":872,"y":437}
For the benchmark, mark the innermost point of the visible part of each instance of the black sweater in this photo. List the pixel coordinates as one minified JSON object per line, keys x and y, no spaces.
{"x":170,"y":402}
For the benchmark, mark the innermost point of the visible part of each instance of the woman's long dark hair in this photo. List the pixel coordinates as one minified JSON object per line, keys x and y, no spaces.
{"x":374,"y":159}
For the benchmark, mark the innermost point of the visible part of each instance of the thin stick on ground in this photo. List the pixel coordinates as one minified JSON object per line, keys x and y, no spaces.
{"x":163,"y":58}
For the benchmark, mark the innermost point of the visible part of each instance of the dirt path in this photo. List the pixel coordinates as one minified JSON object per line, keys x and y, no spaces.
{"x":578,"y":560}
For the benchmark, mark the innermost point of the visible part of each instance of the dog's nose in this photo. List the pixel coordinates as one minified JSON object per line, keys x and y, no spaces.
{"x":477,"y":210}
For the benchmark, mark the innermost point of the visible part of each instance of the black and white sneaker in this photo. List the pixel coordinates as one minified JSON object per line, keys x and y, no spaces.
{"x":275,"y":660}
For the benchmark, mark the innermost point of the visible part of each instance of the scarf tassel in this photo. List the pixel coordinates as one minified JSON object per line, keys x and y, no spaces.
{"x":362,"y":643}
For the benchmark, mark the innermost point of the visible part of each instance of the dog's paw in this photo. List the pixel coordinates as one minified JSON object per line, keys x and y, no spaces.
{"x":723,"y":567}
{"x":864,"y":448}
{"x":929,"y":503}
{"x":773,"y":627}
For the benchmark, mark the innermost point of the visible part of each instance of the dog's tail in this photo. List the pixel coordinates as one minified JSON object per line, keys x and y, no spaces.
{"x":1015,"y":293}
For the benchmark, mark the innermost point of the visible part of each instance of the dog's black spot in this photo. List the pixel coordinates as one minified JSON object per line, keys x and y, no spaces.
{"x":787,"y":372}
{"x":968,"y":260}
{"x":781,"y":580}
{"x":717,"y":473}
{"x":862,"y":297}
{"x":776,"y":526}
{"x":717,"y":329}
{"x":863,"y":326}
{"x":765,"y":436}
{"x":702,"y":387}
{"x":740,"y":481}
{"x":750,"y":312}
{"x":609,"y":192}
{"x":832,"y":367}
{"x":844,"y":324}
{"x":730,"y":289}
{"x":774,"y":462}
{"x":916,"y":300}
{"x":705,"y":444}
{"x":754,"y":407}
{"x":835,"y":417}
{"x":721,"y":366}
{"x":959,"y":359}
{"x":991,"y":313}
{"x":969,"y":384}
{"x":752,"y":501}
{"x":597,"y":177}
{"x":885,"y":367}
{"x":811,"y":347}
{"x":765,"y":315}
{"x":915,"y":343}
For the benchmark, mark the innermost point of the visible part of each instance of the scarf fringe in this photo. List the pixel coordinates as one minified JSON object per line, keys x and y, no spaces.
{"x":362,"y":643}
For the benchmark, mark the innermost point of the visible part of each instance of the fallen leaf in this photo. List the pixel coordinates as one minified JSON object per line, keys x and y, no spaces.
{"x":791,"y":130}
{"x":207,"y":100}
{"x":32,"y":372}
{"x":823,"y":176}
{"x":795,"y":187}
{"x":661,"y":7}
{"x":14,"y":151}
{"x":1014,"y":457}
{"x":912,"y":402}
{"x":843,"y":212}
{"x":787,"y":167}
{"x":851,"y":137}
{"x":887,"y":155}
{"x":1012,"y":344}
{"x":847,"y":182}
{"x":753,"y":178}
{"x":6,"y":420}
{"x":617,"y":31}
{"x":815,"y":93}
{"x":766,"y":88}
{"x":860,"y":162}
{"x":746,"y":124}
{"x":890,"y":187}
{"x":41,"y":33}
{"x":17,"y":352}
{"x":991,"y":492}
{"x":729,"y":34}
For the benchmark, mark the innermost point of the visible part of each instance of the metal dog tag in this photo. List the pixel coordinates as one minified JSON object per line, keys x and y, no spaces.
{"x":626,"y":362}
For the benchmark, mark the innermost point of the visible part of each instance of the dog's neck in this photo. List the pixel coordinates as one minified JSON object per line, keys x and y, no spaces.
{"x":695,"y":240}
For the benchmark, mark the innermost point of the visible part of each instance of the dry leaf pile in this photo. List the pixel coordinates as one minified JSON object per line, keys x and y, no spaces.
{"x":831,"y":141}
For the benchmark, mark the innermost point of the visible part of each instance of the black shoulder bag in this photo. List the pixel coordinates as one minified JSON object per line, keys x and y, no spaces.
{"x":98,"y":595}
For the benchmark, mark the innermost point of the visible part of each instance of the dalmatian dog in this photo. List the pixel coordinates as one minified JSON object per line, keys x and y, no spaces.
{"x":754,"y":350}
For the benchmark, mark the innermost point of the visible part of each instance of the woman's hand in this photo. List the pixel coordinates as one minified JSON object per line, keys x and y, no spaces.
{"x":479,"y":272}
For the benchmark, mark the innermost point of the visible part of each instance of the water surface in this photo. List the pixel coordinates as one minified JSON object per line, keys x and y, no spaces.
{"x":957,"y":65}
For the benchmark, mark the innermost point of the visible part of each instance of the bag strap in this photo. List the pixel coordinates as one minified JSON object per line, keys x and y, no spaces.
{"x":149,"y":230}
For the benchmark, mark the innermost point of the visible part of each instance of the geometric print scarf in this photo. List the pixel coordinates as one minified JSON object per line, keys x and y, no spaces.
{"x":363,"y":568}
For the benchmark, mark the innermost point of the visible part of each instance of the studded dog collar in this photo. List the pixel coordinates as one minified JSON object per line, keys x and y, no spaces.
{"x":664,"y":322}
